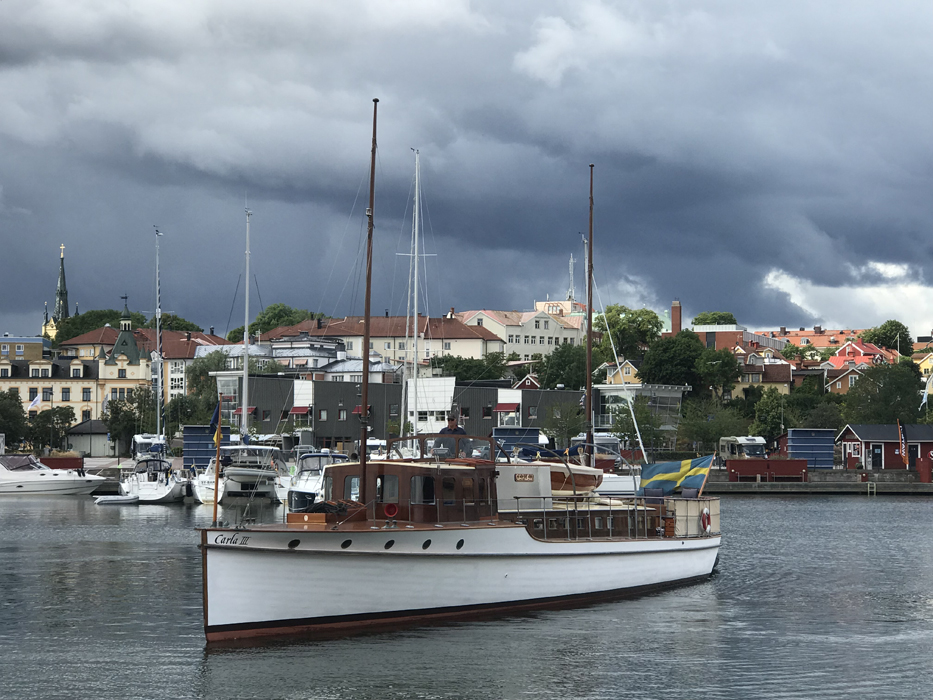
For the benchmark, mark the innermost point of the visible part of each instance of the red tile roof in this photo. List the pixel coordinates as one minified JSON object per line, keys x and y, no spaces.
{"x":442,"y":328}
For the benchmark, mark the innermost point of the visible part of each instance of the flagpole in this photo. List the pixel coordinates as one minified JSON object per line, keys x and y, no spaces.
{"x":216,"y":463}
{"x":706,"y":476}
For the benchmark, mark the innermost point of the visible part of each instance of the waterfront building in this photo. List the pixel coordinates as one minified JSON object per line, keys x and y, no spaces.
{"x":879,"y":446}
{"x":528,"y":333}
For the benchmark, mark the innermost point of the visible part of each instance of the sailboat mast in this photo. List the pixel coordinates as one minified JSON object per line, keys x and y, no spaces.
{"x":244,"y":406}
{"x":364,"y":406}
{"x":160,"y":393}
{"x":589,"y":329}
{"x":417,"y":260}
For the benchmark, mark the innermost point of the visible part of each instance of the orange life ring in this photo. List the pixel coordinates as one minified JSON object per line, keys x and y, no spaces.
{"x":391,"y":510}
{"x":705,"y":521}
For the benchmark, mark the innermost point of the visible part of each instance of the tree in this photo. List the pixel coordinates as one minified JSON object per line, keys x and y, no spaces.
{"x":714,"y":318}
{"x":49,"y":427}
{"x":705,"y":421}
{"x":771,"y":418}
{"x":649,"y":424}
{"x":80,"y":324}
{"x":563,"y":421}
{"x":630,"y":330}
{"x":130,"y":416}
{"x":188,"y":410}
{"x":892,"y":335}
{"x":171,"y":322}
{"x":13,"y":417}
{"x":718,"y":369}
{"x":673,"y":360}
{"x":885,"y":394}
{"x":824,"y":415}
{"x":467,"y":369}
{"x":200,"y":382}
{"x":274,"y":316}
{"x":565,"y":365}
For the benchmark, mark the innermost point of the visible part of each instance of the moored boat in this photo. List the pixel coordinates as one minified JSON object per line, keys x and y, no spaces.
{"x":24,"y":474}
{"x":153,"y":481}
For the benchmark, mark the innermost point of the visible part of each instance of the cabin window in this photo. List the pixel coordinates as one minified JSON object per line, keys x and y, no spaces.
{"x":468,"y":493}
{"x":328,"y":488}
{"x":387,"y":488}
{"x":482,"y":491}
{"x":422,"y":490}
{"x":449,"y":490}
{"x":351,"y":488}
{"x":598,"y":523}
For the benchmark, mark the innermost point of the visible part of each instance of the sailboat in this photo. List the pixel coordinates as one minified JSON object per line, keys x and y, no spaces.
{"x":420,"y":539}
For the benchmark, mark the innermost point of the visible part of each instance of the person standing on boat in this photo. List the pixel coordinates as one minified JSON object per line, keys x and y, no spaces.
{"x":453,"y":428}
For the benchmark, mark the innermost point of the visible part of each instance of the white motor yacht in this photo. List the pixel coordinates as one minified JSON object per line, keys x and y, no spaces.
{"x":308,"y":480}
{"x":153,"y":481}
{"x":253,"y":471}
{"x":20,"y":474}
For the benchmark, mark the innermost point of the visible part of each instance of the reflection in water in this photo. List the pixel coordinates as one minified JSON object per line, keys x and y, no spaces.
{"x":813,"y":597}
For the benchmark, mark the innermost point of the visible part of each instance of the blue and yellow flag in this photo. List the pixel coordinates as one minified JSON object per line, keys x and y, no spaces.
{"x":673,"y":476}
{"x":215,"y":425}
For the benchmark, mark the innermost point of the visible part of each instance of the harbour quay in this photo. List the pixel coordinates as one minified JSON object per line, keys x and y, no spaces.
{"x":900,"y":482}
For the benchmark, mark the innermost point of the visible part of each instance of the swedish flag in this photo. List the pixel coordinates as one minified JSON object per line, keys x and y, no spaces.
{"x":215,"y":424}
{"x":671,"y":476}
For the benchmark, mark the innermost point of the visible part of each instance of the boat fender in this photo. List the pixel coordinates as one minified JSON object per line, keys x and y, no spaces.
{"x":705,"y":521}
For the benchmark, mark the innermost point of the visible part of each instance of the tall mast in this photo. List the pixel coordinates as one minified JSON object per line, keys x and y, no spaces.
{"x":244,"y":410}
{"x":364,"y":406}
{"x":589,"y":328}
{"x":160,"y":393}
{"x":417,"y":260}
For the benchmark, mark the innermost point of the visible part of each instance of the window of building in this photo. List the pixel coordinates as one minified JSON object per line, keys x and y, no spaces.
{"x":322,"y":414}
{"x":266,"y":415}
{"x":122,"y":394}
{"x":838,"y":385}
{"x":541,"y":340}
{"x":532,"y":340}
{"x":176,"y":383}
{"x":35,"y":372}
{"x":45,"y":372}
{"x":440,"y":415}
{"x":401,"y":345}
{"x":356,"y":377}
{"x":851,"y":380}
{"x":627,"y":371}
{"x":85,"y":414}
{"x":549,"y":339}
{"x":33,"y":414}
{"x":4,"y":372}
{"x":422,"y":416}
{"x":349,"y":345}
{"x":526,"y":340}
{"x":446,"y":345}
{"x":66,"y":394}
{"x":526,"y":356}
{"x":487,"y":411}
{"x":76,"y":372}
{"x":532,"y":411}
{"x":121,"y":374}
{"x":545,"y":325}
{"x":465,"y":412}
{"x":571,"y":341}
{"x":370,"y":345}
{"x":341,"y":414}
{"x":4,"y":349}
{"x":479,"y":322}
{"x":86,"y":394}
{"x":46,"y":393}
{"x":113,"y":394}
{"x":387,"y":345}
{"x":804,"y":341}
{"x":537,"y":323}
{"x":511,"y":338}
{"x":337,"y":378}
{"x":20,"y":349}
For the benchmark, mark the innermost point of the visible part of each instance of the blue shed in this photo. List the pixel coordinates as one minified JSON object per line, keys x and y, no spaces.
{"x":198,"y":445}
{"x":812,"y":444}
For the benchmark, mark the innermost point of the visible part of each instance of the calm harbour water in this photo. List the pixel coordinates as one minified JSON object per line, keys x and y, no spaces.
{"x":814,"y":597}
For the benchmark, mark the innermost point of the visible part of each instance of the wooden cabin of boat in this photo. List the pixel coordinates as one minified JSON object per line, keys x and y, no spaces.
{"x":437,"y":486}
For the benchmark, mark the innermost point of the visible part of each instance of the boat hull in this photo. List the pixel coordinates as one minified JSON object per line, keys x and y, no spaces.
{"x":495,"y":570}
{"x":51,"y":483}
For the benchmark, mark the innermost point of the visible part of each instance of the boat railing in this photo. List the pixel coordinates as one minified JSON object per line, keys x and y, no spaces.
{"x":585,"y":517}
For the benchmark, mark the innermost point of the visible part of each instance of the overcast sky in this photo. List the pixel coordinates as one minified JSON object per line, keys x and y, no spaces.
{"x":772,"y":159}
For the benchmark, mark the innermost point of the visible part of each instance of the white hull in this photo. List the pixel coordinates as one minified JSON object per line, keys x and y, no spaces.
{"x":117,"y":500}
{"x":48,"y":482}
{"x":500,"y":567}
{"x":156,"y":492}
{"x":249,"y":483}
{"x":204,"y":488}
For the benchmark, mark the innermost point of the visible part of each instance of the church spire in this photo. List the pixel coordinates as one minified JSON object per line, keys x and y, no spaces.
{"x":61,"y":292}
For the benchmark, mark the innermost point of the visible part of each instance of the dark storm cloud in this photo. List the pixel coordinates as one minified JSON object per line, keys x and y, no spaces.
{"x":750,"y":156}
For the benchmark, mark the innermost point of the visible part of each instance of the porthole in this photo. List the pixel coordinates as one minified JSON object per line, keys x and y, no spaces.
{"x":293,"y":544}
{"x":427,"y":543}
{"x":389,"y":544}
{"x":460,"y":544}
{"x":345,"y":544}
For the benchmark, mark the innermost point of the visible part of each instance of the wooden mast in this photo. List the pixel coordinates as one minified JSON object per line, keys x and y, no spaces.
{"x":364,"y":405}
{"x":589,"y":332}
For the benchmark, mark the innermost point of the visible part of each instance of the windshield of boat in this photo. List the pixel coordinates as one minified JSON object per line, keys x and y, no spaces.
{"x":21,"y":463}
{"x":144,"y":466}
{"x":315,"y":462}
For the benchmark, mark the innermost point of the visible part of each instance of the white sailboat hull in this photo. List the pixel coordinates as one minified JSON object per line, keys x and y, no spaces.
{"x":496,"y":568}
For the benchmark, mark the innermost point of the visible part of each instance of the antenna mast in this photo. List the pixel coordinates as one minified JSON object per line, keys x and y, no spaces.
{"x":160,"y":393}
{"x":364,"y":406}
